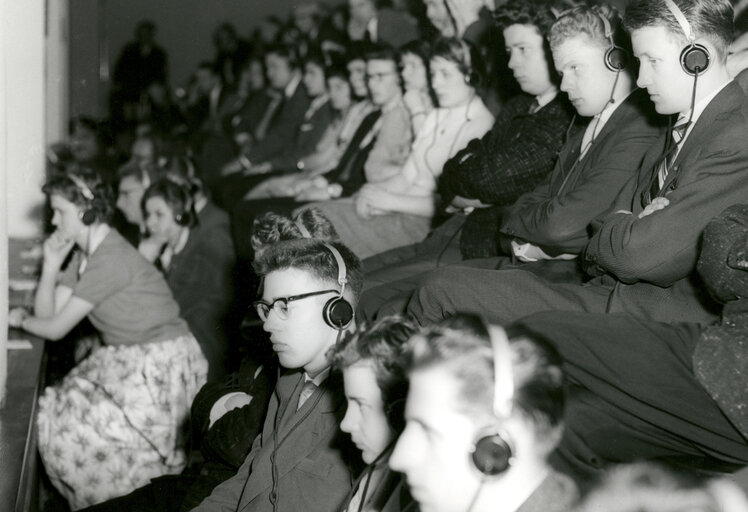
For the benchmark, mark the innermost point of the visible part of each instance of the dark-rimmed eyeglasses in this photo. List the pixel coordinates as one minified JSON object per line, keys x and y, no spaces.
{"x":280,"y":305}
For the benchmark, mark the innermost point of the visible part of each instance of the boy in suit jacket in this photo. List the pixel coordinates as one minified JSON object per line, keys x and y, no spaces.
{"x":300,"y":460}
{"x":642,"y":253}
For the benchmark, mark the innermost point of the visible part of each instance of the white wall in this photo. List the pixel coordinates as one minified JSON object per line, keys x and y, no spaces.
{"x":22,"y":125}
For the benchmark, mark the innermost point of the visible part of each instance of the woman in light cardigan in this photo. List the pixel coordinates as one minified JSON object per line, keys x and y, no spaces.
{"x":399,"y":211}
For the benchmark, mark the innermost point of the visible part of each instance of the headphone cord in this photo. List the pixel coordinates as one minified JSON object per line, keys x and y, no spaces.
{"x":476,"y":495}
{"x":387,"y":450}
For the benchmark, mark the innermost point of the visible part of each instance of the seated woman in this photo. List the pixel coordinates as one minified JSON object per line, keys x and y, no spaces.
{"x":646,"y":390}
{"x":117,"y":419}
{"x":198,"y":265}
{"x":484,"y":411}
{"x":375,"y":388}
{"x":414,"y":70}
{"x":399,"y":210}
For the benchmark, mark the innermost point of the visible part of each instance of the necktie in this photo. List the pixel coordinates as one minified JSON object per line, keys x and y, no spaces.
{"x":306,"y":392}
{"x":534,"y":106}
{"x":267,"y":118}
{"x":675,"y":138}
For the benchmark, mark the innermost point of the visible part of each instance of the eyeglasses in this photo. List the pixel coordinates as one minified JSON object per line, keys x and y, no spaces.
{"x":378,"y":77}
{"x":280,"y":305}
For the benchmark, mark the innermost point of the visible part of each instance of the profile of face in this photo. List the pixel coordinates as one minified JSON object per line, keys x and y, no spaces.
{"x":279,"y":71}
{"x":83,"y":143}
{"x":205,"y":79}
{"x":362,"y":11}
{"x":383,"y":80}
{"x":129,"y":196}
{"x":256,"y":75}
{"x":66,"y":217}
{"x":414,"y":73}
{"x":660,"y":72}
{"x":303,"y":17}
{"x":160,"y":221}
{"x":433,"y":452}
{"x":357,"y":77}
{"x":340,"y":93}
{"x":527,"y":58}
{"x":365,"y":419}
{"x":437,"y":12}
{"x":298,"y":333}
{"x":449,"y":83}
{"x":314,"y":79}
{"x":584,"y":76}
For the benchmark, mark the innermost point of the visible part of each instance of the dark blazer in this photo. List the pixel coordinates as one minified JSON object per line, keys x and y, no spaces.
{"x":556,"y":213}
{"x":283,"y":127}
{"x":306,"y":138}
{"x":654,"y":259}
{"x":304,"y":448}
{"x":506,"y":162}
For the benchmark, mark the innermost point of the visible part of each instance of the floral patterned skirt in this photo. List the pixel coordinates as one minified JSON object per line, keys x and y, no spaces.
{"x":119,"y":419}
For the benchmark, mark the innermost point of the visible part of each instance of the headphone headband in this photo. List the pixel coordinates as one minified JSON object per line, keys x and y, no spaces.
{"x":84,"y":189}
{"x":503,"y":393}
{"x":681,"y":19}
{"x":342,"y":277}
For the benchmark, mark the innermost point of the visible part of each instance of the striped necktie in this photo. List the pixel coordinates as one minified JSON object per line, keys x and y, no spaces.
{"x":677,"y":135}
{"x":306,"y":392}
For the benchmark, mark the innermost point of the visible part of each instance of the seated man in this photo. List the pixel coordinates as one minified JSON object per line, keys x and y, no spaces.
{"x":647,"y":390}
{"x":641,"y":258}
{"x":484,"y":412}
{"x":298,"y":461}
{"x":375,"y":388}
{"x":546,"y":228}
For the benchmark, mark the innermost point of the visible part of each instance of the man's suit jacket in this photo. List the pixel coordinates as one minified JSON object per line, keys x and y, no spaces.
{"x":556,"y":213}
{"x":305,"y":449}
{"x":283,"y":127}
{"x":653,"y":259}
{"x":304,"y":142}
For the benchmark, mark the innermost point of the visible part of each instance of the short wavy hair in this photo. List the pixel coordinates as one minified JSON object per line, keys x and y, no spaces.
{"x":588,"y":21}
{"x":102,"y":204}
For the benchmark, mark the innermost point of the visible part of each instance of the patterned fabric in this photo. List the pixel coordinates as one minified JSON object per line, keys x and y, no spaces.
{"x":119,"y":419}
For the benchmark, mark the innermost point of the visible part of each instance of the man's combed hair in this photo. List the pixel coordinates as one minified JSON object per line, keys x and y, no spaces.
{"x":270,"y":228}
{"x":381,"y":51}
{"x":311,"y":255}
{"x":462,"y":346}
{"x":588,"y":21}
{"x":709,"y":19}
{"x":541,"y":13}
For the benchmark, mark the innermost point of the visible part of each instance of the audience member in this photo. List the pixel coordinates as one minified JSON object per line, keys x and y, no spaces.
{"x":198,"y":266}
{"x":642,"y":254}
{"x":416,"y":76}
{"x":231,"y":53}
{"x":375,"y":24}
{"x":375,"y":389}
{"x":484,"y":412}
{"x":399,"y":210}
{"x":440,"y":16}
{"x":117,"y":419}
{"x":649,"y":390}
{"x":298,"y":462}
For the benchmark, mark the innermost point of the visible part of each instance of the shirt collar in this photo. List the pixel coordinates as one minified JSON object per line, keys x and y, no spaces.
{"x":292,"y":85}
{"x":608,"y":112}
{"x":545,"y":98}
{"x":393,"y":103}
{"x":372,"y":27}
{"x":319,"y":379}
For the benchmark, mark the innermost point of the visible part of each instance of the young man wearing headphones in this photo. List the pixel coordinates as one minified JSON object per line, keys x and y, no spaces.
{"x":300,"y":460}
{"x":642,"y":253}
{"x":484,"y":411}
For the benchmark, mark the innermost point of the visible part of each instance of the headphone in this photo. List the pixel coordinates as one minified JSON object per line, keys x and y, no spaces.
{"x":694,"y":58}
{"x":182,"y":209}
{"x":87,"y":216}
{"x":493,"y":448}
{"x":616,"y":58}
{"x":338,"y":312}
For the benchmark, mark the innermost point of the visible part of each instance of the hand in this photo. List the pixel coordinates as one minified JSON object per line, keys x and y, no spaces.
{"x":658,"y":203}
{"x":56,"y":248}
{"x":16,"y":316}
{"x":262,"y":168}
{"x":461,"y":203}
{"x":232,"y":167}
{"x":313,"y":193}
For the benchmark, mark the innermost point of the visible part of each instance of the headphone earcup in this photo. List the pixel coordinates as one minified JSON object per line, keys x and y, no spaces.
{"x":492,"y":453}
{"x":88,"y":217}
{"x":338,"y":313}
{"x":181,"y":219}
{"x":695,"y":59}
{"x":616,"y":59}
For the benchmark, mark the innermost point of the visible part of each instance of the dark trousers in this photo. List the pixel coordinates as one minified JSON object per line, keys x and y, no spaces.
{"x":633,"y":396}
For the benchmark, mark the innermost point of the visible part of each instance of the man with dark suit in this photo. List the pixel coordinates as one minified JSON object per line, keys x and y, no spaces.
{"x":546,"y":228}
{"x":642,"y":253}
{"x":300,"y":461}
